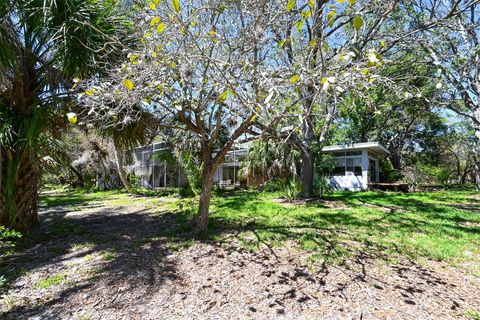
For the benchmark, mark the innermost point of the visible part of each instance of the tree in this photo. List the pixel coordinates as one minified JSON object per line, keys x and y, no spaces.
{"x":337,"y":47}
{"x":453,"y":47}
{"x":129,"y":134}
{"x":44,"y":45}
{"x":270,"y":159}
{"x":398,"y":120}
{"x":201,"y":67}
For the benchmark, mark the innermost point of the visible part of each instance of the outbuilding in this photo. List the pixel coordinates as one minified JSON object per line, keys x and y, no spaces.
{"x":357,"y":165}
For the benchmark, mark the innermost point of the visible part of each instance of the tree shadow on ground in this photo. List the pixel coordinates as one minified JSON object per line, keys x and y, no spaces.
{"x":136,"y":261}
{"x":143,"y":241}
{"x":396,"y":206}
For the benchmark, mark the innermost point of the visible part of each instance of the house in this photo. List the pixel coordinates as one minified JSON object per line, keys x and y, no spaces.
{"x":227,"y":173}
{"x":153,"y":172}
{"x":357,"y":165}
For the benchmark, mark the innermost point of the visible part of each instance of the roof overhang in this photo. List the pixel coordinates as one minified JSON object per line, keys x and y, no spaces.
{"x":375,"y":147}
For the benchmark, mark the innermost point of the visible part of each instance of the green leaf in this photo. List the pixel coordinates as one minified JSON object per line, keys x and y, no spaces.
{"x":224,"y":96}
{"x":299,"y":25}
{"x":294,"y":78}
{"x":291,"y":4}
{"x":331,"y":18}
{"x":154,"y":21}
{"x":306,"y":14}
{"x":128,"y":84}
{"x":311,"y":4}
{"x":176,"y":5}
{"x":161,"y":27}
{"x":357,"y":22}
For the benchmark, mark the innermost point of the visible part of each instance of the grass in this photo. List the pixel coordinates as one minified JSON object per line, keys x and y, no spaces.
{"x":81,"y":199}
{"x":472,"y":314}
{"x":51,"y":281}
{"x":443,"y":226}
{"x":109,"y":255}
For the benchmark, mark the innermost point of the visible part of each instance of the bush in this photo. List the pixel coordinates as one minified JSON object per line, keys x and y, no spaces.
{"x":135,"y":181}
{"x":7,"y":240}
{"x":324,"y":166}
{"x":292,"y":189}
{"x":422,"y":174}
{"x":186,"y":191}
{"x":387,"y":172}
{"x":322,"y":185}
{"x":273,"y":185}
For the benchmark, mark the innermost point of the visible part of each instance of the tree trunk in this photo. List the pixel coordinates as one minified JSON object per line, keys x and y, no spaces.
{"x":19,"y":191}
{"x":120,"y":166}
{"x":205,"y":196}
{"x":78,"y":174}
{"x":307,"y":174}
{"x":476,"y":158}
{"x":459,"y":169}
{"x":396,"y":161}
{"x":477,"y":174}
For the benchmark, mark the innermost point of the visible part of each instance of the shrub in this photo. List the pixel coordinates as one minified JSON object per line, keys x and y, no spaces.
{"x":292,"y":189}
{"x":324,"y":166}
{"x":186,"y":191}
{"x":273,"y":185}
{"x":323,"y":186}
{"x":7,"y":240}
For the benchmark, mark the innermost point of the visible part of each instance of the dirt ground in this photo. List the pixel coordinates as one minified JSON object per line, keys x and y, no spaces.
{"x":97,"y":261}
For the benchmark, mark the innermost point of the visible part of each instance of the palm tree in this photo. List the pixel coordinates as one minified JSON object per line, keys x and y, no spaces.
{"x":44,"y":45}
{"x":269,"y":159}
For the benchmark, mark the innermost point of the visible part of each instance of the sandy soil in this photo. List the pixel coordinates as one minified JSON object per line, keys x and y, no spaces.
{"x":107,"y":263}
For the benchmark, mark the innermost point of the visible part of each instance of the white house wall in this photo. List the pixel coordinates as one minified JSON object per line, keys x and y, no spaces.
{"x":350,"y":181}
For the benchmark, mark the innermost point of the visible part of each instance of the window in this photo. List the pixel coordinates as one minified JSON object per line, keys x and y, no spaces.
{"x":372,"y":168}
{"x":339,"y":154}
{"x":340,"y":168}
{"x":354,"y":165}
{"x":353,"y":153}
{"x":339,"y":171}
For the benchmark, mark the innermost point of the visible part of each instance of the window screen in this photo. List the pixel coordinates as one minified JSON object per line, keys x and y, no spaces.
{"x":339,"y":171}
{"x":353,"y":153}
{"x":340,"y":168}
{"x":354,"y":165}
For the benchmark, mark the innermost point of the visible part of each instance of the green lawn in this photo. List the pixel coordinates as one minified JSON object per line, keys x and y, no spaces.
{"x":438,"y":225}
{"x":443,"y":226}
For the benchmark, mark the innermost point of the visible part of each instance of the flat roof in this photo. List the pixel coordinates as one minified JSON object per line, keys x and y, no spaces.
{"x":372,"y":146}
